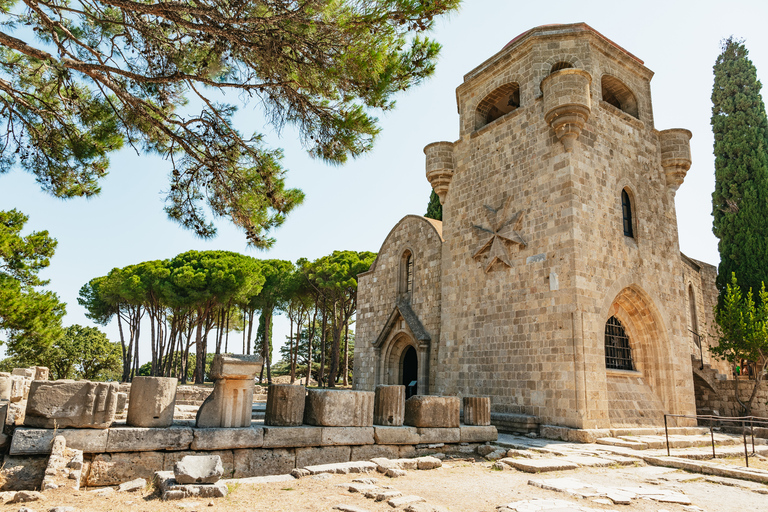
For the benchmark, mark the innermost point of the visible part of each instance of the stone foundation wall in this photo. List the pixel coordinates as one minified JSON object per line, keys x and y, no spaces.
{"x":121,"y":454}
{"x":720,"y":396}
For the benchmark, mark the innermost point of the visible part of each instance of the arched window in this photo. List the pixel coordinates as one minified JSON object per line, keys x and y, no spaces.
{"x":560,"y":65}
{"x":626,"y":213}
{"x":617,"y":94}
{"x":500,"y":102}
{"x":618,"y":354}
{"x":406,"y":275}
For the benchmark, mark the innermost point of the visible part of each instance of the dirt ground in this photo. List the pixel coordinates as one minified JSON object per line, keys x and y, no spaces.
{"x":464,"y":486}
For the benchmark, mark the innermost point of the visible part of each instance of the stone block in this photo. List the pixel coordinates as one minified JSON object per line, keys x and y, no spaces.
{"x":67,"y":403}
{"x":19,"y":387}
{"x":315,"y":455}
{"x":122,"y":402}
{"x":238,"y":367}
{"x":5,"y":386}
{"x":30,"y":441}
{"x":288,"y":437}
{"x":346,"y":436}
{"x":372,"y":451}
{"x":136,"y":439}
{"x":260,"y":462}
{"x":152,"y":401}
{"x":439,"y":435}
{"x":396,"y":435}
{"x":540,"y":465}
{"x":28,"y":373}
{"x":170,"y":489}
{"x":478,"y":434}
{"x":22,"y":472}
{"x":339,"y":408}
{"x":228,"y":406}
{"x":116,"y":468}
{"x":432,"y":411}
{"x":389,"y":406}
{"x":198,"y":469}
{"x":477,"y":410}
{"x":285,"y":405}
{"x":227,"y":459}
{"x":341,"y":468}
{"x":41,"y":373}
{"x":227,"y":438}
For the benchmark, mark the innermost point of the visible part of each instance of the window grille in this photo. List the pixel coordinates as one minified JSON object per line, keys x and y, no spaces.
{"x":618,"y":354}
{"x":626,"y":210}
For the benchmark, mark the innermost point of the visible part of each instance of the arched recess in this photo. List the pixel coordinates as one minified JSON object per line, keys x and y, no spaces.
{"x":394,"y":357}
{"x":628,"y":214}
{"x":648,"y":340}
{"x":557,"y":66}
{"x":616,"y":93}
{"x":405,"y":278}
{"x":694,"y":320}
{"x":498,"y":103}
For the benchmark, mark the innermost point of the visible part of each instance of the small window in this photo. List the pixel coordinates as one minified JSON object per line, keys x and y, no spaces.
{"x":618,"y":354}
{"x":694,"y":320}
{"x":405,"y":286}
{"x":626,"y":212}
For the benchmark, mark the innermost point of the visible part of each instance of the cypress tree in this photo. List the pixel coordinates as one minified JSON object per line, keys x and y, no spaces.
{"x":434,"y":208}
{"x":740,"y":199}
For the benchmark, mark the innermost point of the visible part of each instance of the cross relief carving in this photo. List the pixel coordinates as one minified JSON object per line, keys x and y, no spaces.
{"x":499,"y":231}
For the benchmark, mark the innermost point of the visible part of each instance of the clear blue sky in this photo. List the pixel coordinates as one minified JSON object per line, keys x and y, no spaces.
{"x":355,"y":206}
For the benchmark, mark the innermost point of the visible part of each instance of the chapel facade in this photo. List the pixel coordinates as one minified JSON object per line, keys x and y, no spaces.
{"x":554,"y":283}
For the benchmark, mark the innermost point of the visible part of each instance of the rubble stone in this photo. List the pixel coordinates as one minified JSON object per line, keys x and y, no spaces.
{"x":198,"y":469}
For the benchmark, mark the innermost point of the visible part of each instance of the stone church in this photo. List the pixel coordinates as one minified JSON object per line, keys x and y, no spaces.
{"x":554,"y":283}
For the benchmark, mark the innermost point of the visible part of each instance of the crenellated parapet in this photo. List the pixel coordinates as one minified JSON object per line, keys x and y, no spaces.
{"x":567,"y":103}
{"x":675,"y":155}
{"x":440,"y":167}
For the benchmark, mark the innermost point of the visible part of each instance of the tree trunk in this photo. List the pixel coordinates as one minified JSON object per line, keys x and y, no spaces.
{"x":290,"y":349}
{"x":335,"y":348}
{"x":321,"y":376}
{"x":199,"y":350}
{"x":309,"y":347}
{"x":346,"y":353}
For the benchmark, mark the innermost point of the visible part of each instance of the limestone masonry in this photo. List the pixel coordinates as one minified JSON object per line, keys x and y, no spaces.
{"x":555,"y":283}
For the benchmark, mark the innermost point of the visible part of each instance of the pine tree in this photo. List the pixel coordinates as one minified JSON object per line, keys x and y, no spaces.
{"x":740,"y":199}
{"x":434,"y":208}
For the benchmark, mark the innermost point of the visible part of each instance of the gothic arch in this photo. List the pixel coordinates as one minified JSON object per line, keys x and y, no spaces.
{"x":392,"y":358}
{"x":616,"y":93}
{"x":498,"y":103}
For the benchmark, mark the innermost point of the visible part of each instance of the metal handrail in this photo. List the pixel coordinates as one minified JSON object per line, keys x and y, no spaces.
{"x":728,"y":419}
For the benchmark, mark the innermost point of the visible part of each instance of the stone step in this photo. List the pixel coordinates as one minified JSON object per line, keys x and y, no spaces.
{"x":657,"y":442}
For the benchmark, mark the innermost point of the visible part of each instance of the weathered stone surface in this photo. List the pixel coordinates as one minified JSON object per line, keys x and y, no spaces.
{"x":396,"y":435}
{"x":28,"y":373}
{"x":122,"y":402}
{"x":198,"y":469}
{"x":428,"y":463}
{"x":339,"y":408}
{"x":227,"y":459}
{"x":240,"y":367}
{"x":170,"y":489}
{"x":152,"y":401}
{"x":372,"y":451}
{"x":285,"y":405}
{"x":228,"y":406}
{"x":134,"y":485}
{"x":286,"y":437}
{"x":477,"y":410}
{"x":314,"y":456}
{"x":136,"y":439}
{"x":64,"y":466}
{"x":26,"y":472}
{"x":404,"y":500}
{"x":41,"y":373}
{"x":31,"y":441}
{"x":260,"y":462}
{"x":432,"y":411}
{"x":116,"y":468}
{"x":66,"y":403}
{"x":540,"y":465}
{"x":5,"y":386}
{"x":439,"y":435}
{"x":389,"y":406}
{"x":227,"y":438}
{"x":478,"y":434}
{"x":19,"y":387}
{"x":27,"y":497}
{"x":346,"y":436}
{"x":345,"y":507}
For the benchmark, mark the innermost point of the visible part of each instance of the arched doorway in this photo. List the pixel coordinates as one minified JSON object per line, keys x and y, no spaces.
{"x":410,"y":372}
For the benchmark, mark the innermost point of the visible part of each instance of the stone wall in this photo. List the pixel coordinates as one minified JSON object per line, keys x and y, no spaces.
{"x":719,"y":397}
